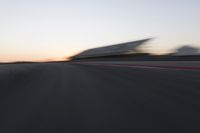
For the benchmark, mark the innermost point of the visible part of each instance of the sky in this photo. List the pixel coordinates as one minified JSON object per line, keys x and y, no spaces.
{"x":42,"y":30}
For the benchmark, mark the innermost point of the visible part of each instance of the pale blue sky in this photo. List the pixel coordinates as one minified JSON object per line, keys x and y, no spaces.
{"x":53,"y":29}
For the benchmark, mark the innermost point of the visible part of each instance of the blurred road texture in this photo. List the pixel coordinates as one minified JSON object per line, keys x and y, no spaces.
{"x":100,"y":97}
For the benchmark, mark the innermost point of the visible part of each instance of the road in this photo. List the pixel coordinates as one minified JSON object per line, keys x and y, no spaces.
{"x":73,"y":97}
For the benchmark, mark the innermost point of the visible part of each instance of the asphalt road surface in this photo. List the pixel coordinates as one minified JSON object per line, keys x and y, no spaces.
{"x":98,"y":98}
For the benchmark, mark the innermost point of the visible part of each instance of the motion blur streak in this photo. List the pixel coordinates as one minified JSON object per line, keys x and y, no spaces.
{"x":74,"y":98}
{"x":180,"y":65}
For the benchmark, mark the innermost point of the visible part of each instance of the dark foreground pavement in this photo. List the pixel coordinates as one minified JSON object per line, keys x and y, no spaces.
{"x":78,"y":98}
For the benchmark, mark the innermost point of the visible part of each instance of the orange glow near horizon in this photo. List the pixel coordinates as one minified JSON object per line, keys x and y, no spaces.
{"x":35,"y":30}
{"x":52,"y":57}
